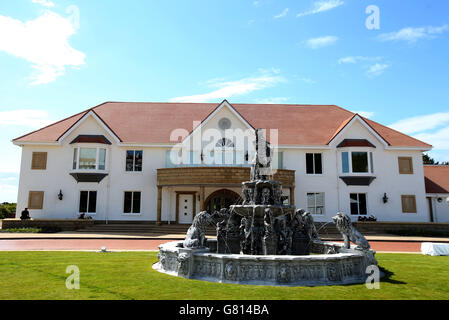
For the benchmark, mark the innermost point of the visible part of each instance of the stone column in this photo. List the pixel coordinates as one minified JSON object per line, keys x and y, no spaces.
{"x":292,"y":196}
{"x":202,"y":198}
{"x":159,"y":205}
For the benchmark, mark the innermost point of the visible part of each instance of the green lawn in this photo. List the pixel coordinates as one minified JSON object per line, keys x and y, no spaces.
{"x":128,"y":275}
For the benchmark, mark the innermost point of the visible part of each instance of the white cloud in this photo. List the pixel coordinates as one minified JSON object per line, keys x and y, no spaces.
{"x":412,"y":35}
{"x":10,"y":163}
{"x":356,"y":59}
{"x":228,"y":89}
{"x":316,"y":43}
{"x":438,"y":139}
{"x":282,"y":14}
{"x":45,"y":3}
{"x":306,"y":80}
{"x":377,"y":69}
{"x":8,"y":192}
{"x":431,"y":128}
{"x":43,"y":42}
{"x":422,"y":123}
{"x":25,"y":118}
{"x":372,"y":70}
{"x":321,"y":6}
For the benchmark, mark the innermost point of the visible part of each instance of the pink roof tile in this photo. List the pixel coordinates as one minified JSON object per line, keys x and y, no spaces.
{"x":436,"y":179}
{"x":153,"y":122}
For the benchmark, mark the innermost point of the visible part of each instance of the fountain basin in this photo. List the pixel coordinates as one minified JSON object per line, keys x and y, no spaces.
{"x":345,"y":266}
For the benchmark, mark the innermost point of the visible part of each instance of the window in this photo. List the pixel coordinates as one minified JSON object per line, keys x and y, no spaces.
{"x":39,"y":161}
{"x":315,"y":203}
{"x":358,"y":203}
{"x":36,"y":200}
{"x":225,"y":152}
{"x":408,"y":204}
{"x":405,"y":165}
{"x":89,"y":159}
{"x":357,"y":162}
{"x":224,"y":143}
{"x":132,"y":202}
{"x":280,"y":155}
{"x":134,"y":160}
{"x":101,"y":159}
{"x":88,"y":202}
{"x":314,"y":163}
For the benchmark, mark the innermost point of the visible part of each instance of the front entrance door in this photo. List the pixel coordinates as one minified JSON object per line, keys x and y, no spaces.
{"x":185,"y":212}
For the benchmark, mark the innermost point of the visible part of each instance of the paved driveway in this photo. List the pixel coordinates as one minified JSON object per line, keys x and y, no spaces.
{"x":142,"y":245}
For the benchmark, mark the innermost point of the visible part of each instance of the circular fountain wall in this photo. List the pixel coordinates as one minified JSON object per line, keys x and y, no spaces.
{"x":344,"y":266}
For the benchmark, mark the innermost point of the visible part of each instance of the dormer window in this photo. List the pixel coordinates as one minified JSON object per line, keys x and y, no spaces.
{"x":89,"y":159}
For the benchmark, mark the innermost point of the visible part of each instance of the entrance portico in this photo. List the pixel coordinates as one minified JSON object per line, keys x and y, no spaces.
{"x":201,"y":182}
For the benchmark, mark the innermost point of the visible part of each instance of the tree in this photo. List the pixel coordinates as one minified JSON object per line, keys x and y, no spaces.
{"x":428,"y":160}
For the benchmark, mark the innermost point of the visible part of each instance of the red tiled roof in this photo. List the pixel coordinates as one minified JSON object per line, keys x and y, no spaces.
{"x":153,"y":122}
{"x":436,"y":179}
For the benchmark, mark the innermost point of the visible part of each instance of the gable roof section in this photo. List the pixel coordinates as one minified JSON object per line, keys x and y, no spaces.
{"x":347,"y":124}
{"x":100,"y":121}
{"x":224,"y":104}
{"x":153,"y":122}
{"x":436,"y":178}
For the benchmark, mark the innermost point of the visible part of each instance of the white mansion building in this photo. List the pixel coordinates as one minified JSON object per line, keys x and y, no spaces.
{"x":165,"y":162}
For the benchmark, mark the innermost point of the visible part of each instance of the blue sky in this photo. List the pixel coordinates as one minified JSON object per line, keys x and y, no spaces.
{"x":60,"y":57}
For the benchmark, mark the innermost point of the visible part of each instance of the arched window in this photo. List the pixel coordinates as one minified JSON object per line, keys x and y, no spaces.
{"x":224,"y":143}
{"x":225,"y":152}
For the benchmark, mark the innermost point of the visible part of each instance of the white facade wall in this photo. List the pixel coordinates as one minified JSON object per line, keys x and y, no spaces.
{"x":111,"y":189}
{"x":386,"y":170}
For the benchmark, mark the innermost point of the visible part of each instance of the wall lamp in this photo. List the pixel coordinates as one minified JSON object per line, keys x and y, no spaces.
{"x":385,"y":198}
{"x":60,"y":195}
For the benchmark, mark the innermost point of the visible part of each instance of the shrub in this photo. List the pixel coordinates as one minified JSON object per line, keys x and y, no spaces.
{"x":21,"y":230}
{"x":7,"y":210}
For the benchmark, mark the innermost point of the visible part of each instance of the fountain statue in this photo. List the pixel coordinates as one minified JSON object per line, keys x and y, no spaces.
{"x":264,"y":241}
{"x":265,"y":222}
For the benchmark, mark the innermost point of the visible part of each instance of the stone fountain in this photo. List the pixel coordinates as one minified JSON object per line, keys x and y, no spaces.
{"x":266,"y":242}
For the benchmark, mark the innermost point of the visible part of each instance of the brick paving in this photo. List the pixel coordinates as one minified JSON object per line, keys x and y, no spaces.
{"x":147,"y":244}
